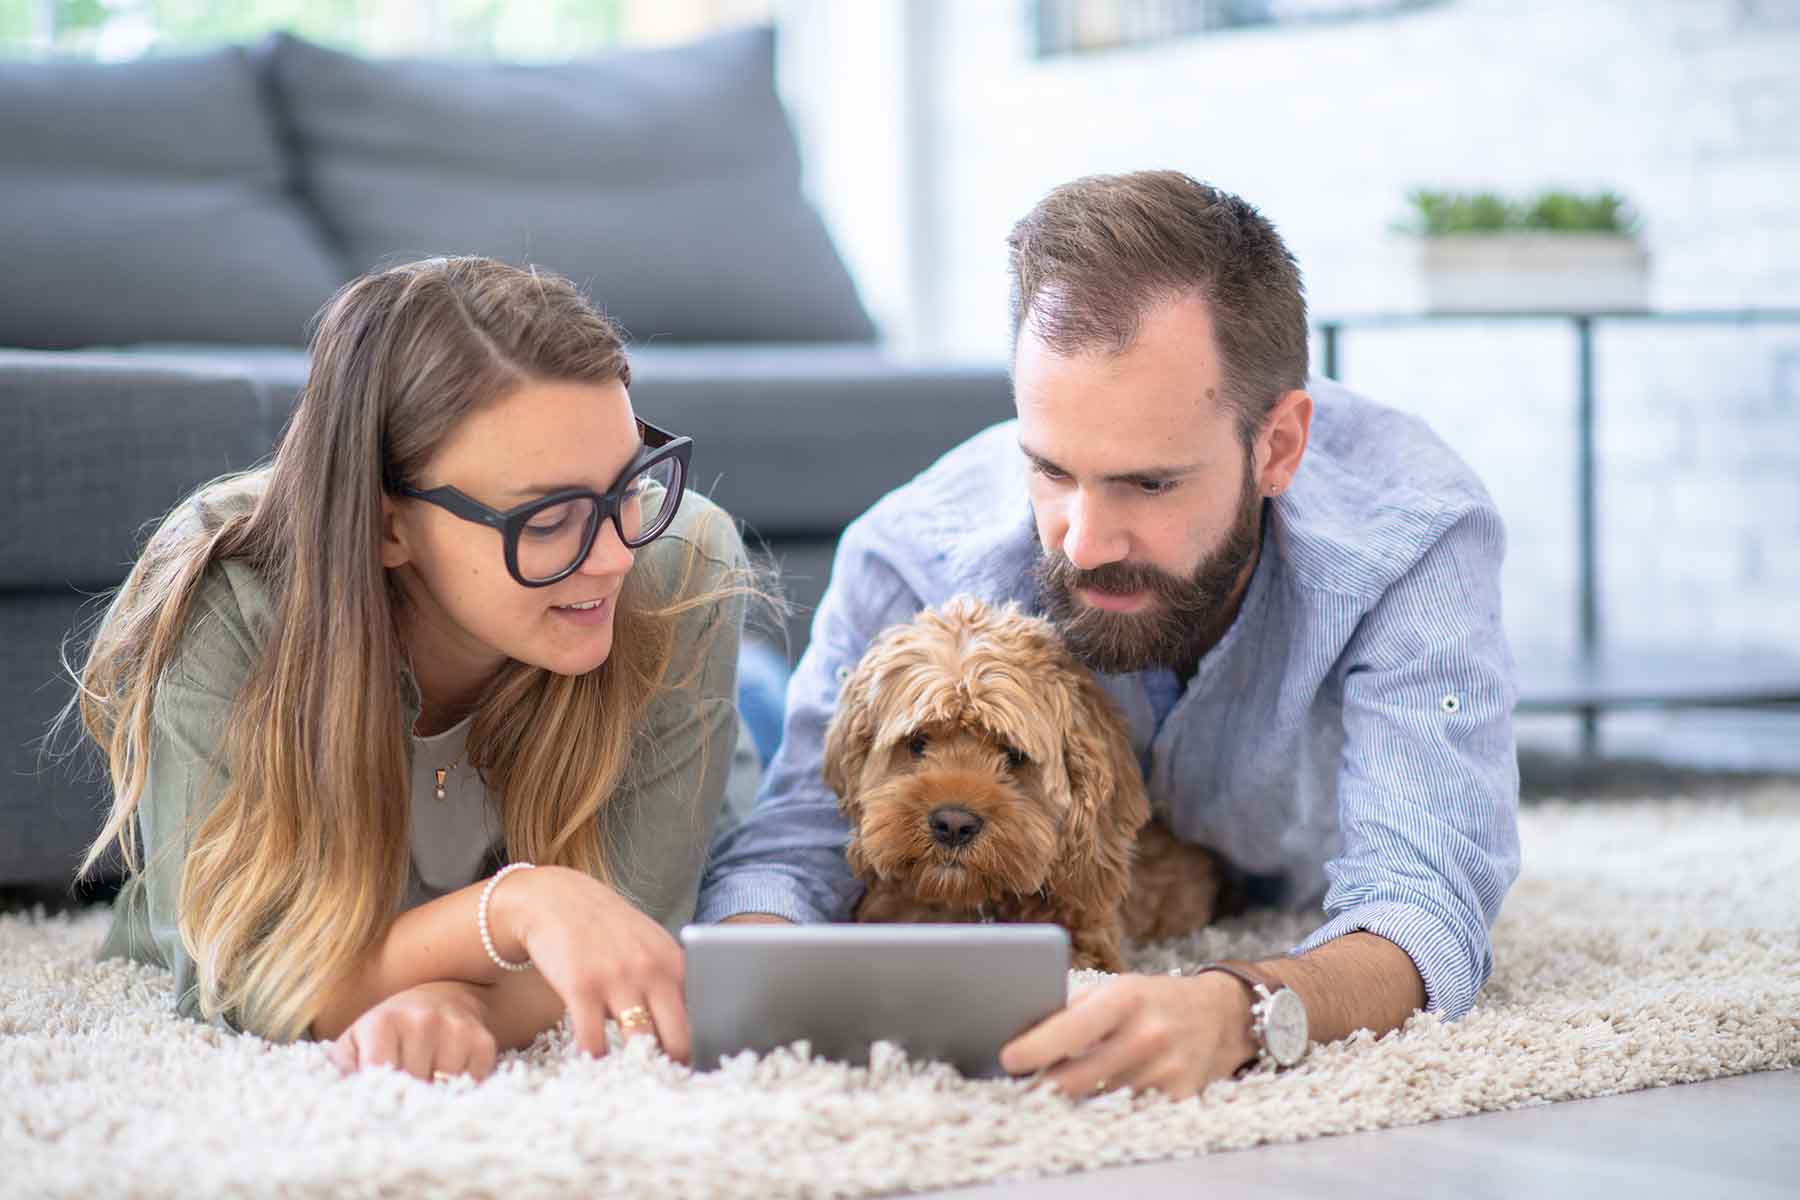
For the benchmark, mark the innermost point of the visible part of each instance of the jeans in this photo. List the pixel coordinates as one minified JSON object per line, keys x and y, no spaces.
{"x":762,"y":694}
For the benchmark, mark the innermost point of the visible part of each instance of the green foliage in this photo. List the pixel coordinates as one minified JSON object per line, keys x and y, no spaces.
{"x":80,"y":16}
{"x":15,"y":24}
{"x":542,"y":29}
{"x":197,"y":23}
{"x":1440,"y":213}
{"x":1603,"y":212}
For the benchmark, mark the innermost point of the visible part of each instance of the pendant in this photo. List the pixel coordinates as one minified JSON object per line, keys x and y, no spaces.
{"x":440,"y":772}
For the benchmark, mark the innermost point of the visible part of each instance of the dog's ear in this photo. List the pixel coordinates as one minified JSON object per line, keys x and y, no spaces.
{"x":1107,"y":804}
{"x":851,"y":735}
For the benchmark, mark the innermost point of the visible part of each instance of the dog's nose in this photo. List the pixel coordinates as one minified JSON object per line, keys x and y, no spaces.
{"x":953,"y":827}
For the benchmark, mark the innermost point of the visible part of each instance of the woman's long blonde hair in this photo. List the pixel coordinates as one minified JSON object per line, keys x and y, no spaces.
{"x":304,"y":859}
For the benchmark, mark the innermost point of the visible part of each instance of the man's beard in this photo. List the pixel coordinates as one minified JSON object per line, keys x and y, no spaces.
{"x":1185,"y":617}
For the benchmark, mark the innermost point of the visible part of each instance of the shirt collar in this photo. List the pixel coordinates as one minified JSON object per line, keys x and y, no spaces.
{"x":411,"y":700}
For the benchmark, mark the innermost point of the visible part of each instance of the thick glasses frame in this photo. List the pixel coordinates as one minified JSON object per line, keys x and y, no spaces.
{"x":659,"y":445}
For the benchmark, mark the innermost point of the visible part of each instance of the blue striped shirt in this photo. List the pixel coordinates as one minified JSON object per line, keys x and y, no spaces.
{"x":1348,"y":741}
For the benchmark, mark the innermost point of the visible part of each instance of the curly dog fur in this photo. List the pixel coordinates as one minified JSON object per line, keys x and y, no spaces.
{"x":986,"y":775}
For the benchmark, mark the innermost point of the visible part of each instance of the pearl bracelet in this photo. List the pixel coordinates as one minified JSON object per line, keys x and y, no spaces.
{"x":481,"y":918}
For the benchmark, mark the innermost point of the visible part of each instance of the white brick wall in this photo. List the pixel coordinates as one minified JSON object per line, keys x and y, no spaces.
{"x":1689,"y":107}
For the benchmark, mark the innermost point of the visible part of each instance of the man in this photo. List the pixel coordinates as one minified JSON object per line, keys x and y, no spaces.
{"x":1293,"y":593}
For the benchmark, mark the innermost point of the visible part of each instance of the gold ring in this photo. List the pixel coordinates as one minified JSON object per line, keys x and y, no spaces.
{"x":441,"y":1077}
{"x":1099,"y":1086}
{"x":635,"y":1017}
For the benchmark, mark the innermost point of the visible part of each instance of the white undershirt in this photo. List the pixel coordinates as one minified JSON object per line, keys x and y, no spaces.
{"x":450,"y":837}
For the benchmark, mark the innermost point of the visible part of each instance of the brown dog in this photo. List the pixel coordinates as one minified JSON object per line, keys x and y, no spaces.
{"x":987,"y":776}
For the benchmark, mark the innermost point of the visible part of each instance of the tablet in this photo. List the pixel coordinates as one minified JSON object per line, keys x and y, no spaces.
{"x":949,"y":993}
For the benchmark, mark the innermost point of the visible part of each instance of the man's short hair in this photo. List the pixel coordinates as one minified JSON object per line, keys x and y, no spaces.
{"x":1096,"y":254}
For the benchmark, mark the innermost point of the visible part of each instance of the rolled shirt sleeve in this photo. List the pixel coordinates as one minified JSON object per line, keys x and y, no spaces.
{"x":1428,"y":787}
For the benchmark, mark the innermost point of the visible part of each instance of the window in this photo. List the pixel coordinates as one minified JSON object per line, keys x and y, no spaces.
{"x":1070,"y":26}
{"x":110,"y":30}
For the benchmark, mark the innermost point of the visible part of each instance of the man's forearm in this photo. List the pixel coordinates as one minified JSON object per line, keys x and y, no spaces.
{"x":1358,"y":981}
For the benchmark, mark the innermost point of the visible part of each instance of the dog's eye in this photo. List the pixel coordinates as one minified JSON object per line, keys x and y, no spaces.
{"x":917,"y":745}
{"x":1015,"y":758}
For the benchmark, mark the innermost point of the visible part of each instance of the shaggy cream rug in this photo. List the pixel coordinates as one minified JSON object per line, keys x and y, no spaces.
{"x":1646,"y":944}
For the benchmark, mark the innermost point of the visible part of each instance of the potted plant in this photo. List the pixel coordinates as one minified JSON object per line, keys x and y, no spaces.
{"x":1554,"y":252}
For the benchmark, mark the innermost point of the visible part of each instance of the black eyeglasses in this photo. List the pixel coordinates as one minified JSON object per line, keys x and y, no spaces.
{"x":547,"y":539}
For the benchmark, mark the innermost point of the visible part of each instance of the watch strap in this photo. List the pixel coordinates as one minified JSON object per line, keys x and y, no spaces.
{"x":1243,"y":972}
{"x":1262,"y":992}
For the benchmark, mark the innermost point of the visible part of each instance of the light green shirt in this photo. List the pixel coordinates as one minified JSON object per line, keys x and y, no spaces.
{"x":669,"y":801}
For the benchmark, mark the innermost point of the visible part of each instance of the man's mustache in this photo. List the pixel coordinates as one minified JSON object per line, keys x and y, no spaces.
{"x":1120,"y":578}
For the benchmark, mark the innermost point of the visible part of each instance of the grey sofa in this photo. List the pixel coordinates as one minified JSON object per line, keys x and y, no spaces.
{"x":170,"y":226}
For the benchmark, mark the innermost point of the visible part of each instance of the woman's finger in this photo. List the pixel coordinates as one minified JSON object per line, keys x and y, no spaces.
{"x":450,"y":1059}
{"x":484,"y":1054}
{"x":418,"y":1048}
{"x":670,"y":1012}
{"x":587,"y":1015}
{"x":635,"y":1017}
{"x":342,"y":1052}
{"x":380,"y":1043}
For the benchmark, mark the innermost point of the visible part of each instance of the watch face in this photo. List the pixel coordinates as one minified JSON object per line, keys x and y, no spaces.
{"x":1284,"y":1029}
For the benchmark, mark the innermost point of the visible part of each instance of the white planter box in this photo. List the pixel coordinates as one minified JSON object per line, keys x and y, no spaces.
{"x":1537,"y":272}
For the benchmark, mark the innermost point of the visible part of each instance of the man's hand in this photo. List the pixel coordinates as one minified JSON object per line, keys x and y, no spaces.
{"x":1175,"y":1035}
{"x":430,"y":1030}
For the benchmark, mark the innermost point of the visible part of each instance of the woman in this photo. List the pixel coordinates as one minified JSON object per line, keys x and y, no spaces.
{"x":467,"y":616}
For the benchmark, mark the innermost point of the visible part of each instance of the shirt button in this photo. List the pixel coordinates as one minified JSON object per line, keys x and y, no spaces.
{"x":843,"y":675}
{"x":1450,"y":703}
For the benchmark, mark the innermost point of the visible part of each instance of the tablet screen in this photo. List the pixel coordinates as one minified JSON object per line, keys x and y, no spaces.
{"x":947,"y":993}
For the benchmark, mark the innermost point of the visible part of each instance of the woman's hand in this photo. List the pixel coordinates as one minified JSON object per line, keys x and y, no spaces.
{"x":601,"y":955}
{"x":427,"y":1031}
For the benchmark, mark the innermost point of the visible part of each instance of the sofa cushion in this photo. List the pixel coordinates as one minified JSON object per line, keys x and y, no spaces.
{"x":51,"y":806}
{"x":277,"y":373}
{"x":93,"y":448}
{"x":148,"y":200}
{"x":665,"y":182}
{"x":795,"y":440}
{"x":799,"y":441}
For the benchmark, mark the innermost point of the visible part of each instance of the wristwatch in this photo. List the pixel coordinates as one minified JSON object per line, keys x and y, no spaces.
{"x":1277,"y":1017}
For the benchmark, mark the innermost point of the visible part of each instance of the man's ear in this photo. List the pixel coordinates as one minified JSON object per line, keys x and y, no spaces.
{"x":1282,"y":443}
{"x":395,"y":551}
